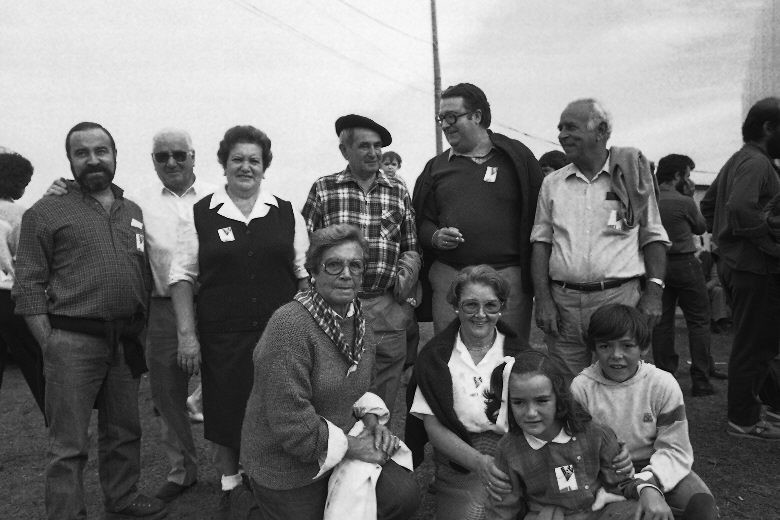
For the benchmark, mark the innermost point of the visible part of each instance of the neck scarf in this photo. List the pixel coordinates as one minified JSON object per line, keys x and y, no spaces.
{"x":328,"y":321}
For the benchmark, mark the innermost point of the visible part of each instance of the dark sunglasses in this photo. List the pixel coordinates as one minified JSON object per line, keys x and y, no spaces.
{"x":178,"y":156}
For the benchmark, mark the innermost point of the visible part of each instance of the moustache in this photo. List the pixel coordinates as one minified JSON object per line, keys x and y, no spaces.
{"x":95,"y":168}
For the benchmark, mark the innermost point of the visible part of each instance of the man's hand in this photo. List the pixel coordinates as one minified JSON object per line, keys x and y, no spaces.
{"x":622,"y":462}
{"x":495,"y":481}
{"x":447,"y":238}
{"x":58,"y":188}
{"x":547,"y":316}
{"x":650,"y":303}
{"x":652,"y":506}
{"x":189,"y":353}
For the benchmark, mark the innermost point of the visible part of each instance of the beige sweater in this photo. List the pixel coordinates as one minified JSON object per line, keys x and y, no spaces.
{"x":300,"y":380}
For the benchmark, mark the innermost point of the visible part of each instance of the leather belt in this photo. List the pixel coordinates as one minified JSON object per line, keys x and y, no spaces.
{"x":594,"y":286}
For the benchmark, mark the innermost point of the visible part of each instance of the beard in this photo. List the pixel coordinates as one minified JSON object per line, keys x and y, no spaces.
{"x":93,"y":179}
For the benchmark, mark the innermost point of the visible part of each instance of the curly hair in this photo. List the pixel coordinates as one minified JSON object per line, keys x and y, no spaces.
{"x":569,"y":411}
{"x":15,"y":174}
{"x":614,"y":321}
{"x":478,"y":274}
{"x":245,"y":134}
{"x":332,"y":236}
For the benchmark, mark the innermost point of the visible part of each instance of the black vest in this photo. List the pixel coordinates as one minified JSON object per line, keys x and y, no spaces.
{"x":246,"y":272}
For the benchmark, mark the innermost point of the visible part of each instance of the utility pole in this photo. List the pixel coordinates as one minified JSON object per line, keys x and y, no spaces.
{"x":436,"y":76}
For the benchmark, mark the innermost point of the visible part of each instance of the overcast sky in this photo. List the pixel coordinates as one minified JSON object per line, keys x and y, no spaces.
{"x":671,"y":73}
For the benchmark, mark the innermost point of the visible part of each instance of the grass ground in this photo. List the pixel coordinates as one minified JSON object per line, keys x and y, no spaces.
{"x":742,"y":474}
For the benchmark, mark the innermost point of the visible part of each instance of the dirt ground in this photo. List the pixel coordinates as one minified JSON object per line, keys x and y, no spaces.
{"x":742,"y":474}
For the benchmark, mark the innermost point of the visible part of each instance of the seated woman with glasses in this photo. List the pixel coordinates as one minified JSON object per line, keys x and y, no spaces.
{"x":453,"y":371}
{"x":313,"y":367}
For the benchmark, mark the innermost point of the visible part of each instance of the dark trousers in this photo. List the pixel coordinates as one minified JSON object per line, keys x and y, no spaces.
{"x":15,"y":338}
{"x":684,"y":286}
{"x":397,"y":497}
{"x":755,"y":301}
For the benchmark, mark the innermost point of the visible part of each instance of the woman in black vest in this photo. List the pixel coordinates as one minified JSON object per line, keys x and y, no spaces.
{"x":245,"y":249}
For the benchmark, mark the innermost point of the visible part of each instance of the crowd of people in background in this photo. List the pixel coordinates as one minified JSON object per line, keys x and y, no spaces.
{"x":301,"y":322}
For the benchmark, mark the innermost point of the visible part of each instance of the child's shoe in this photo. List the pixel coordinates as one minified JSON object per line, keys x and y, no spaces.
{"x":761,"y":430}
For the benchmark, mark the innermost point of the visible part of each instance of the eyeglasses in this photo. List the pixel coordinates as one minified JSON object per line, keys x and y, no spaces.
{"x":473,"y":306}
{"x":336,"y":267}
{"x":451,"y":118}
{"x":178,"y":156}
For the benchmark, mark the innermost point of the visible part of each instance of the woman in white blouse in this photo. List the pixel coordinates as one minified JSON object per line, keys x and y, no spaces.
{"x":244,"y":250}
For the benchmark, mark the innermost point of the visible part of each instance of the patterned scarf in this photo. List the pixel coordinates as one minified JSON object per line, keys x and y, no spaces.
{"x":328,"y":321}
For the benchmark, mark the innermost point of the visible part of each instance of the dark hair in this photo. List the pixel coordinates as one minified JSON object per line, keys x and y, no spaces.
{"x":616,"y":320}
{"x":245,"y":134}
{"x":569,"y":411}
{"x":473,"y":99}
{"x":15,"y":175}
{"x":87,"y":125}
{"x":555,"y":159}
{"x":332,"y":236}
{"x":480,"y":274}
{"x":766,"y":110}
{"x":391,"y":156}
{"x":670,"y":165}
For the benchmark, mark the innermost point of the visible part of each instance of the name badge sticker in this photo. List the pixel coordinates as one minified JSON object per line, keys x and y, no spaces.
{"x":136,"y":224}
{"x":567,"y":480}
{"x":226,"y":234}
{"x":490,"y":174}
{"x":139,"y":242}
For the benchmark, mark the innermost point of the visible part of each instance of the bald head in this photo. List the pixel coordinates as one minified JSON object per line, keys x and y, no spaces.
{"x":174,"y":159}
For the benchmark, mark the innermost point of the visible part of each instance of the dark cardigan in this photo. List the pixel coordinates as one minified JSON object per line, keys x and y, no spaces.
{"x":432,"y":375}
{"x":530,"y":176}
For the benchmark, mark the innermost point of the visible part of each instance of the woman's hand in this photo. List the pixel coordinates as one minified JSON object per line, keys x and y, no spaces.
{"x":362,"y":448}
{"x":652,"y":506}
{"x":385,"y":441}
{"x":495,"y":481}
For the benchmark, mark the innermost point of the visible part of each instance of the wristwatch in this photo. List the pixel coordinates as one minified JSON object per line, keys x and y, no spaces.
{"x":657,"y":281}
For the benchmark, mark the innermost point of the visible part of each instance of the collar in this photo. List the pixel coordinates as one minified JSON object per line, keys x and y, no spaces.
{"x":536,"y":443}
{"x":196,"y":189}
{"x":484,"y":157}
{"x":229,"y":209}
{"x":350,"y":311}
{"x":573,"y":169}
{"x":347,"y":176}
{"x":75,"y":186}
{"x":463,"y":351}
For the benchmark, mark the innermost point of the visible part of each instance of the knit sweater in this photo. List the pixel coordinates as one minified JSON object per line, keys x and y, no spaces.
{"x":647,"y":412}
{"x":300,"y":382}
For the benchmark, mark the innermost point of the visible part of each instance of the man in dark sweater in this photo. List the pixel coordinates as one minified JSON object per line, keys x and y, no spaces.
{"x":475,"y":204}
{"x":684,"y":279}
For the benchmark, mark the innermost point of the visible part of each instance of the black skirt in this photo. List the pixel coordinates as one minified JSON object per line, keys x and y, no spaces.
{"x":227,"y":375}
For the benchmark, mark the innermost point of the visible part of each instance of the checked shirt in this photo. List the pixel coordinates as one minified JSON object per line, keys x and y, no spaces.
{"x":384,"y":215}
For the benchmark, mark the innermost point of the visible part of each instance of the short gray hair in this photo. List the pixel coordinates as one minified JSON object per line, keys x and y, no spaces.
{"x":167,"y":132}
{"x":597,"y":114}
{"x":347,"y":137}
{"x":331,"y":236}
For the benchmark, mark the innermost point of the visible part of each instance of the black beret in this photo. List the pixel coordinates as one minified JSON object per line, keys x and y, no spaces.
{"x":356,"y":121}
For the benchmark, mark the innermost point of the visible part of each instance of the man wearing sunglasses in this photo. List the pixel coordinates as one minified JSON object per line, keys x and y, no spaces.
{"x":379,"y":204}
{"x":163,"y":207}
{"x":475,"y":204}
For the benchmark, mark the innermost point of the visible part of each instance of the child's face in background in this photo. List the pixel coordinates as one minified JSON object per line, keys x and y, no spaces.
{"x":533,"y":403}
{"x":390,"y":167}
{"x":619,"y":358}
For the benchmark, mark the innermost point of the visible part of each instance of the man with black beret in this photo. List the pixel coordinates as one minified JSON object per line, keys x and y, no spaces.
{"x":362,"y":195}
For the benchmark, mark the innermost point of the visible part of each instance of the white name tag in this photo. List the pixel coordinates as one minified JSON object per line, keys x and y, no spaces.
{"x":567,"y":480}
{"x":226,"y":234}
{"x":139,"y":242}
{"x":136,"y":224}
{"x":490,"y":174}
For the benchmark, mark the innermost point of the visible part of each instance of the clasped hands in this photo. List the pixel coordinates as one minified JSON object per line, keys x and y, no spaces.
{"x":375,"y":444}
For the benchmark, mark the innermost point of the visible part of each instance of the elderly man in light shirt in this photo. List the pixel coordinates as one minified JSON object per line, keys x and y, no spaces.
{"x":164,"y":206}
{"x":597,"y":236}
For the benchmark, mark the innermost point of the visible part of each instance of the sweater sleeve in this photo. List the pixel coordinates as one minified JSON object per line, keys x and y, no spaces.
{"x":282,"y":378}
{"x":672,"y":456}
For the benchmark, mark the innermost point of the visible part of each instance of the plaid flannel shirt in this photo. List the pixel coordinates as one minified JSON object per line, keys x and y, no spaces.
{"x":384,"y":215}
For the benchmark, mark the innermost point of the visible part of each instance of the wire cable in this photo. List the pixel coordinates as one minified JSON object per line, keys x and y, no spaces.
{"x":385,"y":24}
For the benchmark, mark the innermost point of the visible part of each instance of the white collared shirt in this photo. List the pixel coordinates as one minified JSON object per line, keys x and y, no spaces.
{"x":469,"y":382}
{"x":163,"y":210}
{"x":536,"y":443}
{"x":184,"y":266}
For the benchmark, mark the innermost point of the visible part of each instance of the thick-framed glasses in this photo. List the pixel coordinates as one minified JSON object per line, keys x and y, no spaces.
{"x":451,"y":118}
{"x":473,"y":306}
{"x":336,"y":267}
{"x":178,"y":156}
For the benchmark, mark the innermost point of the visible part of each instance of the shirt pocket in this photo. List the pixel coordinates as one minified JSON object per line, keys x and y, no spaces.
{"x":131,"y":240}
{"x":390,"y":225}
